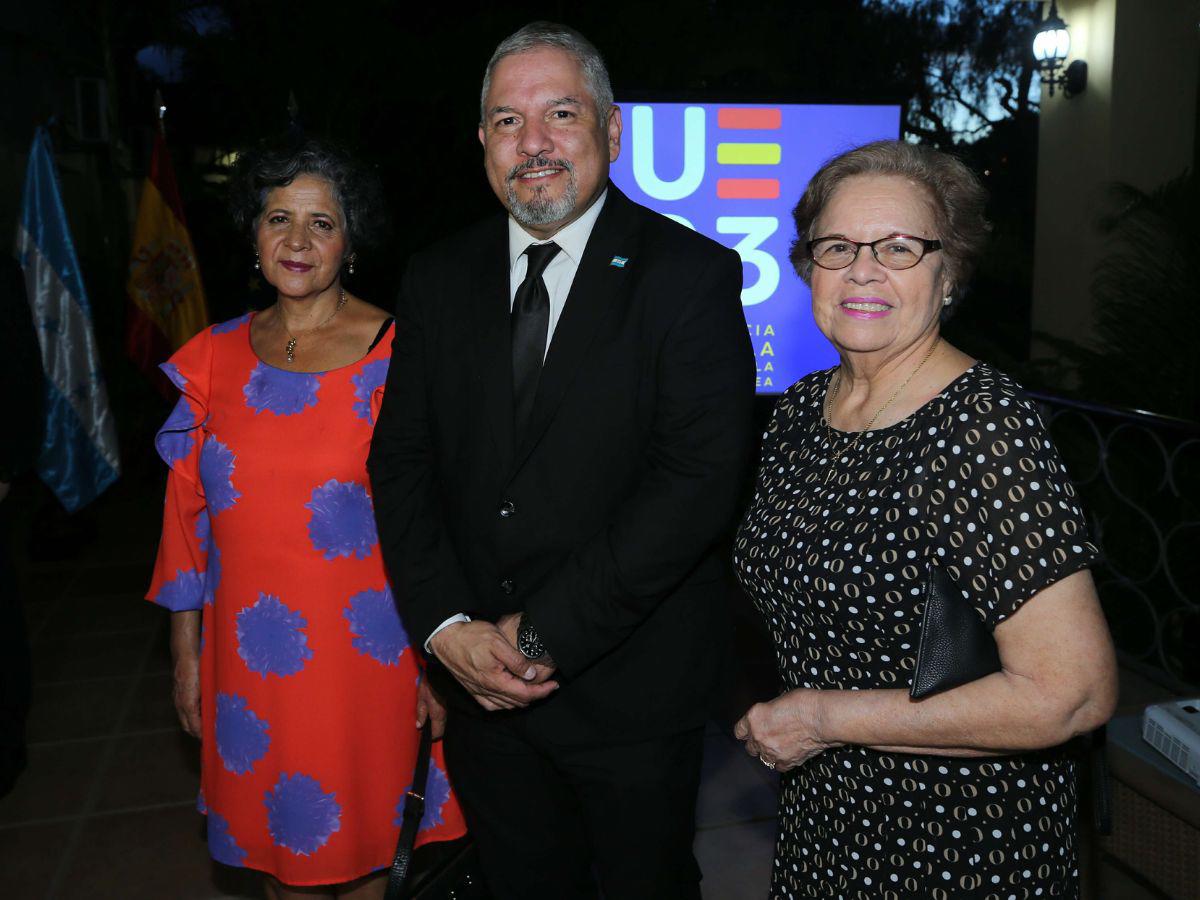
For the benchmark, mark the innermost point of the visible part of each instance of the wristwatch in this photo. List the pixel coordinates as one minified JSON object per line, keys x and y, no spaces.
{"x":528,"y":641}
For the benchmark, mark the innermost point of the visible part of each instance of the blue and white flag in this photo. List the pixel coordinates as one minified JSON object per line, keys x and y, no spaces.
{"x":79,"y":453}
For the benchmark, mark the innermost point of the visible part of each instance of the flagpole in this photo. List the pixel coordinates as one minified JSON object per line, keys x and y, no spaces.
{"x":160,"y":112}
{"x":167,"y":305}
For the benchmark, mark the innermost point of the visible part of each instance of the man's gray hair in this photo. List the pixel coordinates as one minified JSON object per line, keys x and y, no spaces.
{"x":536,"y":35}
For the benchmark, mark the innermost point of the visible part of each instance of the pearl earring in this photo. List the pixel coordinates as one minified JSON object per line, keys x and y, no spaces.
{"x":946,"y":301}
{"x":350,"y":265}
{"x":257,"y":260}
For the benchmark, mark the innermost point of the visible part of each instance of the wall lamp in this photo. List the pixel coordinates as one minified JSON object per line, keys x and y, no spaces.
{"x":1051,"y":45}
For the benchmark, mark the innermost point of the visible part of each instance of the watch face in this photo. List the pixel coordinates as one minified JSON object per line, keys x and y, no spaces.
{"x":529,"y":643}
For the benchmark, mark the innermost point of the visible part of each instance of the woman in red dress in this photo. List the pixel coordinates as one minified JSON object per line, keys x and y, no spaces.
{"x":291,"y":663}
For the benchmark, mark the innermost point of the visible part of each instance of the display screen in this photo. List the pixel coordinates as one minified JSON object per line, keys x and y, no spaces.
{"x":734,"y":172}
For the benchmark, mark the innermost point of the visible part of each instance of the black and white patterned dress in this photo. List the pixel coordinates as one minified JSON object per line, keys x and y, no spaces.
{"x":836,"y":570}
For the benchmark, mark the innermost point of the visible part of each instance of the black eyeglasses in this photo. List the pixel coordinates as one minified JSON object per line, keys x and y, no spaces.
{"x":896,"y":251}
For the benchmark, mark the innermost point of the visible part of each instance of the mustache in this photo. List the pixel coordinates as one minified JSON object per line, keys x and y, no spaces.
{"x":539,"y":162}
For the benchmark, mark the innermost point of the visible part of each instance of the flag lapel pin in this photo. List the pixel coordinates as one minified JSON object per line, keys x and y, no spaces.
{"x":618,"y":262}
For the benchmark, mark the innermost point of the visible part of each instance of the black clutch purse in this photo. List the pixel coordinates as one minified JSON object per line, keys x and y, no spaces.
{"x":955,"y":645}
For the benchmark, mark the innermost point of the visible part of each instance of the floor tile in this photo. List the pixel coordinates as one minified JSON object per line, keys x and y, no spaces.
{"x":84,"y":657}
{"x":150,"y":855}
{"x":152,"y":705}
{"x":731,"y":791}
{"x":102,"y":615}
{"x":76,"y":709}
{"x":29,"y":856}
{"x":56,"y":782}
{"x":736,"y":861}
{"x":148,"y":769}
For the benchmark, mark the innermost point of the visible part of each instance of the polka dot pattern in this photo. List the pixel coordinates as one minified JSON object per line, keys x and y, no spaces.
{"x":833,"y":552}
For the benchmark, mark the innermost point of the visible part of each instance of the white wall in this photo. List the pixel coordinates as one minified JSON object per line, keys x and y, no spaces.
{"x":1136,"y":123}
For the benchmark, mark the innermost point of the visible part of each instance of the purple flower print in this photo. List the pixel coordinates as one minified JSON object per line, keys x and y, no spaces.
{"x":242,"y":737}
{"x":271,"y":638}
{"x":372,"y":377}
{"x":212,"y":566}
{"x":342,"y":521}
{"x":300,"y":815}
{"x":437,"y":793}
{"x":283,"y":393}
{"x":376,"y":625}
{"x":184,"y":591}
{"x":174,"y":440}
{"x":216,"y":473}
{"x":221,"y":843}
{"x":231,"y":325}
{"x":173,"y":374}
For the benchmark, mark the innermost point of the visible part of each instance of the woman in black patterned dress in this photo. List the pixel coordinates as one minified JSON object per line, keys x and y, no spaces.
{"x":908,"y":452}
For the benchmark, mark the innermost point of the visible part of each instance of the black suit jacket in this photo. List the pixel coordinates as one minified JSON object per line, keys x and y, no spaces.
{"x":607,"y":520}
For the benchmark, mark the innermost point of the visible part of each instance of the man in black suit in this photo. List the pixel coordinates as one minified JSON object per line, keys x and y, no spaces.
{"x":556,"y":469}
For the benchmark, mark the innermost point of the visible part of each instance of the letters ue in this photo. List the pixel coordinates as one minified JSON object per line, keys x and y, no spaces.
{"x":732,"y":123}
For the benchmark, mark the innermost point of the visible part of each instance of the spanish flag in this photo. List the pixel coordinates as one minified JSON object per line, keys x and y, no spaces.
{"x":166,"y":297}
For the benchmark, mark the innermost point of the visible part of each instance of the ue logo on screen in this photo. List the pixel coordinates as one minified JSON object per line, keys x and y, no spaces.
{"x":732,"y":122}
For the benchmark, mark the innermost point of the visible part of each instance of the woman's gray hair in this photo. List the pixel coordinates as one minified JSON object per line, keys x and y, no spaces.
{"x":536,"y":35}
{"x":958,"y":200}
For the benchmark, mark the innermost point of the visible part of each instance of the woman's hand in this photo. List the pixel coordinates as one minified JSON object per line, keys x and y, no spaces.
{"x":185,"y":655}
{"x":429,"y":705}
{"x":784,"y":733}
{"x":186,"y":692}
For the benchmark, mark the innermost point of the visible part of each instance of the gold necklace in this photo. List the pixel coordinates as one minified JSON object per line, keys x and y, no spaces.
{"x":831,"y":395}
{"x":290,"y":348}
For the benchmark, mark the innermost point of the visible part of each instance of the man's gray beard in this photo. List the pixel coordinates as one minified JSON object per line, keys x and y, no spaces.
{"x":539,"y":211}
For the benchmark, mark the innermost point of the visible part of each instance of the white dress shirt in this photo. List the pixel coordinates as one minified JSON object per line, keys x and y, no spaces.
{"x":558,"y":277}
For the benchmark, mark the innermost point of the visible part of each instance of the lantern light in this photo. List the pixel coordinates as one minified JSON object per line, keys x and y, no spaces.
{"x":1051,"y":46}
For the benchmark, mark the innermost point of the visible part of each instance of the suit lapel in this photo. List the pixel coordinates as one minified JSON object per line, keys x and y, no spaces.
{"x":490,"y":294}
{"x":597,"y":289}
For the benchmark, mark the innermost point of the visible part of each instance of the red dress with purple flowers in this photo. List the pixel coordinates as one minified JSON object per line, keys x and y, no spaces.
{"x":308,"y":683}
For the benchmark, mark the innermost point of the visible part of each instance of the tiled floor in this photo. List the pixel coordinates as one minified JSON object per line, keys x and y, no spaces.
{"x":106,"y":808}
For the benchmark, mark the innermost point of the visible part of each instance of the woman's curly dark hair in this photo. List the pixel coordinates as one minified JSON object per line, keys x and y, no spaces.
{"x":277,"y":162}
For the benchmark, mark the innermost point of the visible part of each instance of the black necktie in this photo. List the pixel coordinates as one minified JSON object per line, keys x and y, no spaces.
{"x":530,"y":320}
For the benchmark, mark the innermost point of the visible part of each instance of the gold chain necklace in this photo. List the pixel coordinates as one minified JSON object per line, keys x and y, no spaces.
{"x":831,"y":395}
{"x":290,"y":349}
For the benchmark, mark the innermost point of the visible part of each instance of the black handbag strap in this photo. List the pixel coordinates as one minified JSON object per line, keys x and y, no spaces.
{"x":414,"y":809}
